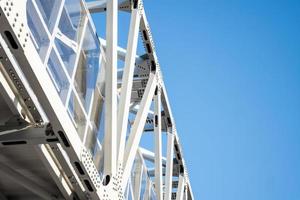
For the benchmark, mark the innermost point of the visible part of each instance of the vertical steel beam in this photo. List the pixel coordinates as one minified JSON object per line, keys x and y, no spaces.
{"x":180,"y":189}
{"x":110,"y":144}
{"x":158,"y":140}
{"x":131,"y":193}
{"x":138,"y":180}
{"x":147,"y":190}
{"x":137,"y":128}
{"x":169,"y":166}
{"x":123,"y":109}
{"x":186,"y":195}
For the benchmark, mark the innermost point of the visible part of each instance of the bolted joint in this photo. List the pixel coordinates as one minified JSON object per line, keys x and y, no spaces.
{"x":106,"y":179}
{"x":157,"y":90}
{"x":135,"y":4}
{"x":153,"y":66}
{"x":49,"y":130}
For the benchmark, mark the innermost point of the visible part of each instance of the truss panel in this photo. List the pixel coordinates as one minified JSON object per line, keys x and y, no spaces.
{"x":70,"y":108}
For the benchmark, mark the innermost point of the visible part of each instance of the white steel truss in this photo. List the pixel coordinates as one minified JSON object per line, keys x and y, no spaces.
{"x":72,"y":119}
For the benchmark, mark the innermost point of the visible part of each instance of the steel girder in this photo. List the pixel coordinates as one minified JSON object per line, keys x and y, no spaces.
{"x":57,"y":78}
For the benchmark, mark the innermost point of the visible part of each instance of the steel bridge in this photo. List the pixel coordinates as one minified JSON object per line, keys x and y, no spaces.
{"x":80,"y":116}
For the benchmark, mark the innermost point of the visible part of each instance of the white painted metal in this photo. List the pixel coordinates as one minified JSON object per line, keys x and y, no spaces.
{"x":180,"y":190}
{"x":150,"y":156}
{"x":74,"y":169}
{"x":110,"y":145}
{"x":138,"y":180}
{"x":121,"y":52}
{"x":123,"y":108}
{"x":57,"y":173}
{"x":169,"y":166}
{"x":9,"y":96}
{"x":97,"y":5}
{"x":147,"y":193}
{"x":137,"y":128}
{"x":158,"y":145}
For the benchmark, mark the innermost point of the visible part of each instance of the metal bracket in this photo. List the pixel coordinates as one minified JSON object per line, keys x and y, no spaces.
{"x":26,"y":134}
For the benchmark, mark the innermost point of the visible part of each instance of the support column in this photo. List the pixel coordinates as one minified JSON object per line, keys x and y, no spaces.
{"x":110,"y":143}
{"x":147,"y":193}
{"x":138,"y":180}
{"x":169,"y":166}
{"x":180,"y":189}
{"x":158,"y":140}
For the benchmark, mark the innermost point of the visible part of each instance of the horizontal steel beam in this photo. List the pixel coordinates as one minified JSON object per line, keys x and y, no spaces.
{"x":29,"y":135}
{"x":97,"y":6}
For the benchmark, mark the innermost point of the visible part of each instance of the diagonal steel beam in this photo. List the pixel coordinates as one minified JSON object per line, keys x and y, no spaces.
{"x":127,"y":79}
{"x":137,"y":128}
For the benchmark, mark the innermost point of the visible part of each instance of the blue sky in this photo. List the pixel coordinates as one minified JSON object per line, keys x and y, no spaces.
{"x":232,"y":70}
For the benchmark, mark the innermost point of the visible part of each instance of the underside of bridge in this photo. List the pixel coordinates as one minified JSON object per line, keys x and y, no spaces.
{"x":81,"y":116}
